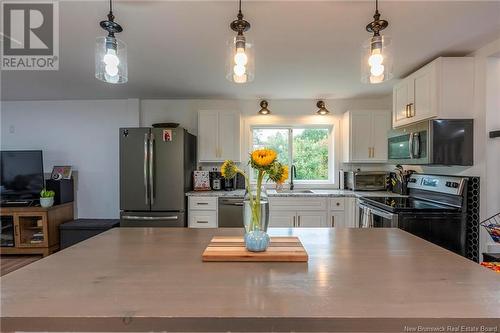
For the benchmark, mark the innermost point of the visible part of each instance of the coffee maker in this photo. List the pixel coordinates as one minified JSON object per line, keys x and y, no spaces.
{"x":235,"y":183}
{"x":230,"y":184}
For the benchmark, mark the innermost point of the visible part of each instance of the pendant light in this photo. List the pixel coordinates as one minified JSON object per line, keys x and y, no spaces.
{"x":322,"y":110}
{"x":376,"y":52}
{"x":240,"y":56}
{"x":264,"y":110}
{"x":111,"y":53}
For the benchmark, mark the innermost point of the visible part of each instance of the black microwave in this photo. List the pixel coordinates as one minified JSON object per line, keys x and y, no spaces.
{"x":433,"y":142}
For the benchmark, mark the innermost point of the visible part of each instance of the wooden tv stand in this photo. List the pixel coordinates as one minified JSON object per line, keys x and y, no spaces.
{"x":29,"y":221}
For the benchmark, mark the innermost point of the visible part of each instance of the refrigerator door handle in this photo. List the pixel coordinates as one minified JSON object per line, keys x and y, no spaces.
{"x":145,"y":169}
{"x":151,"y":169}
{"x":149,"y":218}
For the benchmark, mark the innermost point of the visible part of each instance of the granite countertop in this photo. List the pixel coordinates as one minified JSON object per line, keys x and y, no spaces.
{"x":316,"y":193}
{"x":153,"y":279}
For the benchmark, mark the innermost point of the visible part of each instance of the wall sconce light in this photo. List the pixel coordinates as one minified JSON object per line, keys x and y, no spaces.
{"x":264,"y":110}
{"x":322,"y":108}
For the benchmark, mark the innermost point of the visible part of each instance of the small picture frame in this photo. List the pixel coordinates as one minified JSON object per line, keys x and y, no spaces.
{"x":61,"y":172}
{"x":167,"y":135}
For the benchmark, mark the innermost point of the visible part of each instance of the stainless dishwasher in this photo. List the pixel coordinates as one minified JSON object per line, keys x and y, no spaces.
{"x":231,"y":212}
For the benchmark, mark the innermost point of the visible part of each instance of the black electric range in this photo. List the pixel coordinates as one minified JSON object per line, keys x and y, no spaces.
{"x":399,"y":204}
{"x":435,"y":210}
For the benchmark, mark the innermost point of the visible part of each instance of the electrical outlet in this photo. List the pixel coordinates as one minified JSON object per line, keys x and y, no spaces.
{"x":12,"y":129}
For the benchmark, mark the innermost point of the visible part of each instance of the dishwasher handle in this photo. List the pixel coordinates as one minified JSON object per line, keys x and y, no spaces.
{"x":231,"y":202}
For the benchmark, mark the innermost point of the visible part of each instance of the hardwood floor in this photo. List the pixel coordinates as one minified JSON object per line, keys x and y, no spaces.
{"x":9,"y":263}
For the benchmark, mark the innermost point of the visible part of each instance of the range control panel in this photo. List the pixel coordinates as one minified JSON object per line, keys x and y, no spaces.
{"x":435,"y":183}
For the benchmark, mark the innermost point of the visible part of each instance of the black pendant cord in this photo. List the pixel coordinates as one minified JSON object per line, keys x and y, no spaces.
{"x":377,"y":24}
{"x":240,"y":25}
{"x":111,"y":17}
{"x":110,"y":25}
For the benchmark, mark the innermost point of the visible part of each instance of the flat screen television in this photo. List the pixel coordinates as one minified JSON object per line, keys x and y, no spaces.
{"x":21,"y":174}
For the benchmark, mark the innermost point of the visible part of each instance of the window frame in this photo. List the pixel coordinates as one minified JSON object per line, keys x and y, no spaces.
{"x":290,"y":128}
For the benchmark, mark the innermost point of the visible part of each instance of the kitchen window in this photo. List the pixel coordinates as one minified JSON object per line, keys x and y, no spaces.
{"x":308,"y":148}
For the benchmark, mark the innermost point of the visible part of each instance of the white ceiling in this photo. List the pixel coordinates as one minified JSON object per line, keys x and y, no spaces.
{"x":308,"y":49}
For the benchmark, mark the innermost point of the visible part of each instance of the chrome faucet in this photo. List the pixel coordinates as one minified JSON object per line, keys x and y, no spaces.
{"x":293,"y":174}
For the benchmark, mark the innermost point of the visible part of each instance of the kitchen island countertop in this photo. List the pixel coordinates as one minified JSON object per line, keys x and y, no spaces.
{"x":153,"y":279}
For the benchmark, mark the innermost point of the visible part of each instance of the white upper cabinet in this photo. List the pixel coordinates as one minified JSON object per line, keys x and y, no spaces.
{"x":443,"y":88}
{"x":364,"y":136}
{"x":218,"y":136}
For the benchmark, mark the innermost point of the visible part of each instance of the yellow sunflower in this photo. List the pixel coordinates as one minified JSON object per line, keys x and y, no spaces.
{"x":263,"y":157}
{"x":228,"y":169}
{"x":284,"y":175}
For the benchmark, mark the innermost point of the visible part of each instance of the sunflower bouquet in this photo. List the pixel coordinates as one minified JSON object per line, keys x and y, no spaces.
{"x":265,"y":162}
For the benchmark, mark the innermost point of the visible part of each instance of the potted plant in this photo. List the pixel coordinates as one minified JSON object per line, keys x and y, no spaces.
{"x":47,"y":198}
{"x":256,"y":204}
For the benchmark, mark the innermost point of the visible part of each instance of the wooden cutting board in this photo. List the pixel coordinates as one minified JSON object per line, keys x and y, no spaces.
{"x":285,"y":249}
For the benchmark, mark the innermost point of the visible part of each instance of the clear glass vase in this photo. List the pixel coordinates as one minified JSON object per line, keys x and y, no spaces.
{"x":256,"y":219}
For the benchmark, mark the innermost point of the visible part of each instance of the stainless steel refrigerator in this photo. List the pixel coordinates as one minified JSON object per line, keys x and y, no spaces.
{"x":156,"y":167}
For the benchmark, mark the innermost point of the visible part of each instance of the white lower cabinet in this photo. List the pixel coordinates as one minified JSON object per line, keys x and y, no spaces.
{"x":311,"y":219}
{"x":282,"y":219}
{"x":202,"y":212}
{"x":350,"y":213}
{"x":336,"y":219}
{"x":299,"y":219}
{"x":342,"y":213}
{"x":299,"y":212}
{"x":203,"y":219}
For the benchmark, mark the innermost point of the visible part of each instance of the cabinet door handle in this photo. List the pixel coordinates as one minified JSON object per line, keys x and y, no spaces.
{"x":298,"y":223}
{"x":201,"y":221}
{"x":16,"y":230}
{"x":373,"y":152}
{"x":202,"y":203}
{"x":333,"y":221}
{"x":411,"y":111}
{"x":294,"y":222}
{"x":406,"y":110}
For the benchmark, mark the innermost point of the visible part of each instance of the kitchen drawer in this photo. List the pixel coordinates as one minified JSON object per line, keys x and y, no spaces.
{"x":203,"y":203}
{"x":337,"y":203}
{"x":203,"y":219}
{"x":298,"y":203}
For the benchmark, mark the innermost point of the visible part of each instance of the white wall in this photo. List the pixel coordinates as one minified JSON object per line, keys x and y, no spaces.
{"x":185,"y":111}
{"x":492,"y":145}
{"x":83,"y":134}
{"x":284,"y":112}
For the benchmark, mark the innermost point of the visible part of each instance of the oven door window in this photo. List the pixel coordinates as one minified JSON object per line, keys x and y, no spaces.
{"x":399,"y":147}
{"x":381,"y":222}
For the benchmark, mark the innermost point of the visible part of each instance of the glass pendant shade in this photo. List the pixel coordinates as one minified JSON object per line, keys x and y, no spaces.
{"x":376,"y":60}
{"x":240,"y":62}
{"x":111,"y":60}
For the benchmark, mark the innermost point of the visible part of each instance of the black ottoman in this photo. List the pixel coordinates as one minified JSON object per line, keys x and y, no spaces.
{"x":81,"y":229}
